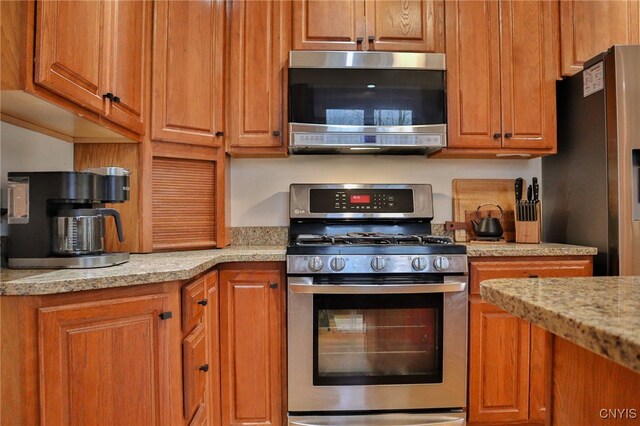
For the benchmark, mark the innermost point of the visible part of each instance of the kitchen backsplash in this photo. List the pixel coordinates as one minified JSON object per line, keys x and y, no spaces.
{"x":260,"y":187}
{"x":279,"y":235}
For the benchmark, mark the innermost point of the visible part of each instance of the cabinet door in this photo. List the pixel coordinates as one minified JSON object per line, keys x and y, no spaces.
{"x":105,"y":362}
{"x":498,"y":364}
{"x":588,"y":27}
{"x":473,"y":74}
{"x":187,"y":72}
{"x":408,"y":25}
{"x":256,"y":106}
{"x":72,"y":50}
{"x":528,"y":84}
{"x":328,"y":24}
{"x":195,"y":367}
{"x":251,"y":327}
{"x":131,"y":30}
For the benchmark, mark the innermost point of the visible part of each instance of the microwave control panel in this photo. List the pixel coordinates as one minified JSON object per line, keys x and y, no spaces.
{"x":361,"y":201}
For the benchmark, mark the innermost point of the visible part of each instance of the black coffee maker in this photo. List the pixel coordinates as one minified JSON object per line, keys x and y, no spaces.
{"x":57,"y":219}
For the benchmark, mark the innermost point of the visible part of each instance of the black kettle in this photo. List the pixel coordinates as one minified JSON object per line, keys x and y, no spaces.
{"x":489,"y":227}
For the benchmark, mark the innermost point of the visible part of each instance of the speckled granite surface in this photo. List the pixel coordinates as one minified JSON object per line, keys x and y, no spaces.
{"x":260,"y":235}
{"x":515,"y":249}
{"x":601,"y":314}
{"x":141,"y":269}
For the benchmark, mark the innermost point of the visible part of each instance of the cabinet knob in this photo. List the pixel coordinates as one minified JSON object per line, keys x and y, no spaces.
{"x":359,"y":40}
{"x":372,"y":38}
{"x":116,"y":99}
{"x":203,"y":302}
{"x":219,"y":134}
{"x":497,"y":135}
{"x":166,"y":315}
{"x":276,"y":133}
{"x":108,"y":95}
{"x":273,"y":285}
{"x":508,"y":135}
{"x":204,"y":368}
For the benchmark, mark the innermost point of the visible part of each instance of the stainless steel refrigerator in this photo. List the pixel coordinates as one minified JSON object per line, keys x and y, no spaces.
{"x":590,"y":189}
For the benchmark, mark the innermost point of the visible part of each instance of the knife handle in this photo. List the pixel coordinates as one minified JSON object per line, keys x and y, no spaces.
{"x":518,"y":189}
{"x":529,"y":193}
{"x":536,"y":189}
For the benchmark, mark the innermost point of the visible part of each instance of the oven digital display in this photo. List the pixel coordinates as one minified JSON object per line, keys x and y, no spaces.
{"x":360,"y":199}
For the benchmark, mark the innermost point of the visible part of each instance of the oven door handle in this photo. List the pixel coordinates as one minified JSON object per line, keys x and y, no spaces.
{"x":447,"y":287}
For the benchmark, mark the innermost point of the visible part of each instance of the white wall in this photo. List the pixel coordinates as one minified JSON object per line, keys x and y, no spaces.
{"x":259,"y":187}
{"x":23,"y":150}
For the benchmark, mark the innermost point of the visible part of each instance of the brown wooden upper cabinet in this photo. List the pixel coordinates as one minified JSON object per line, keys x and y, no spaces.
{"x":93,"y":53}
{"x":188,"y":61}
{"x":588,"y":27}
{"x":394,"y":25}
{"x":259,"y":42}
{"x":501,"y":70}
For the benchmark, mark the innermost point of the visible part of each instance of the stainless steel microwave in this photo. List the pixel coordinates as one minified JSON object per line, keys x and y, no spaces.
{"x":367,"y":102}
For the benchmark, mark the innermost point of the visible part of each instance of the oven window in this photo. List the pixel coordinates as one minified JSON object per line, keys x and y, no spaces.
{"x":377,"y":339}
{"x":369,"y":97}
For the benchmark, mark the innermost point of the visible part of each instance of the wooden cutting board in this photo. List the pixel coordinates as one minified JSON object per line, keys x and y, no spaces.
{"x":468,"y":194}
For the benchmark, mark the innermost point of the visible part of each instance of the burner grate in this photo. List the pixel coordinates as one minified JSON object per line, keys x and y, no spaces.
{"x":371,"y":238}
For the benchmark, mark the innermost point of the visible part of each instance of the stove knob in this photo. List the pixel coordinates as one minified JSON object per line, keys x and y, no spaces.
{"x":315,"y":264}
{"x":419,"y":263}
{"x":378,"y":263}
{"x":337,"y":264}
{"x":441,"y":263}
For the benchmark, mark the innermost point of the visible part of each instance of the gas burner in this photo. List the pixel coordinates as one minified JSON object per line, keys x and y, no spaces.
{"x":371,"y":238}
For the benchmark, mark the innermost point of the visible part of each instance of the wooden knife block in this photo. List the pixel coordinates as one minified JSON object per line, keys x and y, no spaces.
{"x":529,"y":231}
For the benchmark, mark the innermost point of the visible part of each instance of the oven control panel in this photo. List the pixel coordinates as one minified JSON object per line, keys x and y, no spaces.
{"x":362,"y":200}
{"x":358,"y":264}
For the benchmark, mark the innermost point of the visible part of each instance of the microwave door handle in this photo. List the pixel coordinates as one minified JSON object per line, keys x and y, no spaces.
{"x":448,"y":287}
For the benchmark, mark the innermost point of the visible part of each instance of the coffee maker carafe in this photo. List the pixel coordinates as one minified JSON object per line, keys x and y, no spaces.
{"x":57,"y":219}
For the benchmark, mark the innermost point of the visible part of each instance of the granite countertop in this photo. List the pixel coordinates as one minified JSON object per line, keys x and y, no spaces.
{"x":601,"y":314}
{"x":141,"y":269}
{"x":183,"y":265}
{"x":520,"y":249}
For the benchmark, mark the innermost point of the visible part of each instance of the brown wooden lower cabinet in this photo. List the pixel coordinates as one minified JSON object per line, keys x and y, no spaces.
{"x":207,"y":351}
{"x":510,"y":360}
{"x":251,"y":333}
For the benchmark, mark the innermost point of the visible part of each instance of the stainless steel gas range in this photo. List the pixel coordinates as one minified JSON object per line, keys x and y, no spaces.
{"x":377,"y":309}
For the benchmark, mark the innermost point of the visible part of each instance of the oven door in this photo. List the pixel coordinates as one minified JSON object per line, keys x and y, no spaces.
{"x":354,"y":346}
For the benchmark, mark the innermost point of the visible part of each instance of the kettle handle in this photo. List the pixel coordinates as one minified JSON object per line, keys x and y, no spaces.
{"x":116,"y":217}
{"x":490,"y":204}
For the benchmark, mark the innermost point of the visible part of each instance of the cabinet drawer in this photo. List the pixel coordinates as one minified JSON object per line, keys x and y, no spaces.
{"x":195,"y":369}
{"x":527,"y":268}
{"x":194,"y":300}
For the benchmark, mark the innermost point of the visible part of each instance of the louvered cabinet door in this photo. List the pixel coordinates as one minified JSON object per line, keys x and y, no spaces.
{"x":183,"y":199}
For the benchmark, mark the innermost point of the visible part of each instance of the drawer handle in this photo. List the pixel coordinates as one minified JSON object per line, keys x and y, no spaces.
{"x":204,"y":368}
{"x":273,"y":285}
{"x":508,"y":135}
{"x":203,"y":302}
{"x":276,"y":133}
{"x":166,"y":315}
{"x":219,"y":134}
{"x":497,"y":135}
{"x":108,"y":95}
{"x":533,"y":276}
{"x":116,"y":99}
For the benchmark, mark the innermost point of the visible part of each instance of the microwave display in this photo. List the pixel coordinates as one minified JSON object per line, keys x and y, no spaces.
{"x":367,"y":97}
